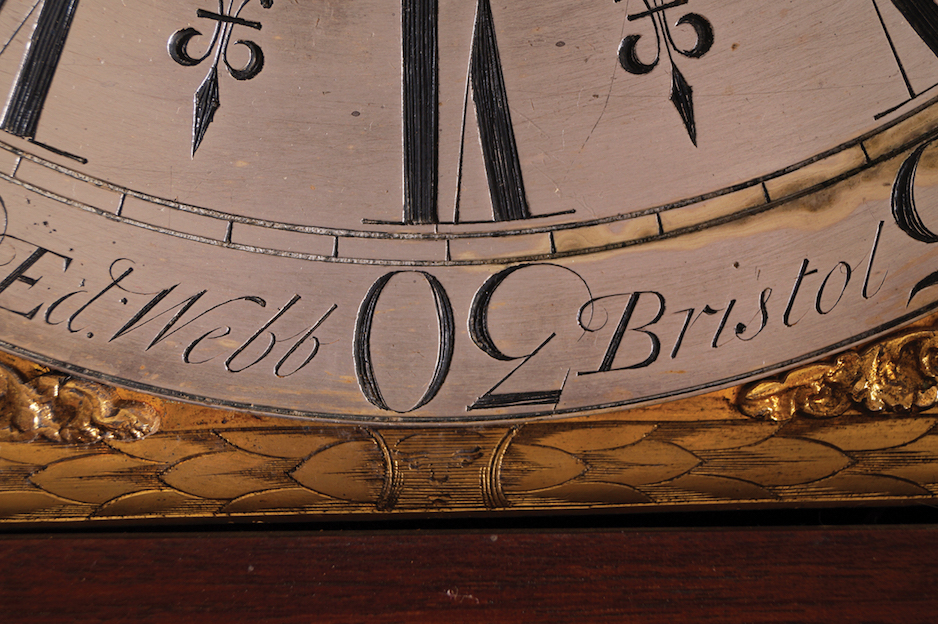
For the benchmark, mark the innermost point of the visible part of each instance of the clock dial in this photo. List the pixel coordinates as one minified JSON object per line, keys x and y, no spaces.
{"x":457,"y":211}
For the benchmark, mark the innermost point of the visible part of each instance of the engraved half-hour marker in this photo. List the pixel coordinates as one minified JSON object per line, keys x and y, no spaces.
{"x":681,"y":91}
{"x":207,"y":100}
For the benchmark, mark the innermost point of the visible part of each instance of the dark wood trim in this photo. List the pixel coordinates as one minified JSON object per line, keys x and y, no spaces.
{"x":840,"y":574}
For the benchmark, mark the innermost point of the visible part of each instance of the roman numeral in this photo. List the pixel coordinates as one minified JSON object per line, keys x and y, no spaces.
{"x":419,"y":33}
{"x":421,"y":120}
{"x":499,"y":149}
{"x":922,"y":16}
{"x":28,"y":95}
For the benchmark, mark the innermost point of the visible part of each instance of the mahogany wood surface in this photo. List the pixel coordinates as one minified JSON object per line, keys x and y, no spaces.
{"x":835,"y":574}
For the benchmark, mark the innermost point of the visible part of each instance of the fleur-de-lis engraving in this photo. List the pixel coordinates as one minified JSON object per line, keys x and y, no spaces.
{"x":681,"y":91}
{"x":206,"y":100}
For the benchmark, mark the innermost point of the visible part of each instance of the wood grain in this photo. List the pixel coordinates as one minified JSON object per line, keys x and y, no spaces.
{"x":743,"y":575}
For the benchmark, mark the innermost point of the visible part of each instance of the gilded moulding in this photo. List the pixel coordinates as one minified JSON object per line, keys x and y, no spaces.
{"x":815,"y":436}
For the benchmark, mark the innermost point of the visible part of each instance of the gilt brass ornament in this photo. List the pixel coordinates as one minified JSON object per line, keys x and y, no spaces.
{"x":465,"y":256}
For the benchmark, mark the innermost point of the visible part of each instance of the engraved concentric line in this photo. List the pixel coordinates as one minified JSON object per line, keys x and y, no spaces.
{"x":440,"y":241}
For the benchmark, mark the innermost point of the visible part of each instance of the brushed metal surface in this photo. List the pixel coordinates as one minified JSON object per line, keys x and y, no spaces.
{"x":441,"y":211}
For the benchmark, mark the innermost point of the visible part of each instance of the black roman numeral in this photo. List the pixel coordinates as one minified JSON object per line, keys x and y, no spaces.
{"x":922,"y":16}
{"x":419,"y":32}
{"x":421,"y":122}
{"x":499,"y":150}
{"x":28,"y":96}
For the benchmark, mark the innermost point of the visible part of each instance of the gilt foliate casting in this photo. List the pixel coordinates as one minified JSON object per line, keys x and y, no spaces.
{"x":61,"y":408}
{"x":899,"y":374}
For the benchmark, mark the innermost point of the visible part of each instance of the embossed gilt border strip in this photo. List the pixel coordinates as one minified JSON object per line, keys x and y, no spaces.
{"x":859,"y":427}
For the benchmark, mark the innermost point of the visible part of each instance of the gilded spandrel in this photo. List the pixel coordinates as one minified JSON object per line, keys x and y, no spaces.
{"x":482,"y":259}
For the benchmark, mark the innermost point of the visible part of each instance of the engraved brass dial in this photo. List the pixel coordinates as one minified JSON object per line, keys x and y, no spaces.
{"x":438,"y":211}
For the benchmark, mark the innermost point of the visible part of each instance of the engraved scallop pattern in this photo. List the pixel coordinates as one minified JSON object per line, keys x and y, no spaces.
{"x":542,"y":465}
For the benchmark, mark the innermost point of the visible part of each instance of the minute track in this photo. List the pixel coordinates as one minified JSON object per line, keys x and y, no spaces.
{"x":226,"y":234}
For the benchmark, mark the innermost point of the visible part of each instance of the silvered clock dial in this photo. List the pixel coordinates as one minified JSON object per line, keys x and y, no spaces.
{"x":440,"y":211}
